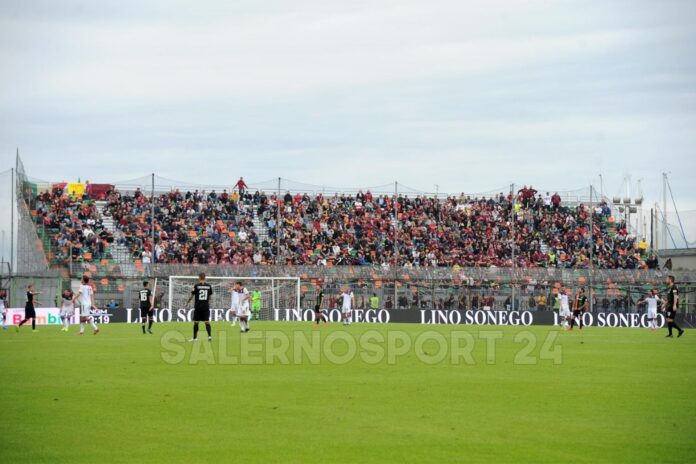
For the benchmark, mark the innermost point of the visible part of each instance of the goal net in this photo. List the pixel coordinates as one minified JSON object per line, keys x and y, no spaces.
{"x":274,"y":293}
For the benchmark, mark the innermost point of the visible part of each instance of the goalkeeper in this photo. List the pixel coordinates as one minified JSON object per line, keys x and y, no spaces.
{"x":255,"y":304}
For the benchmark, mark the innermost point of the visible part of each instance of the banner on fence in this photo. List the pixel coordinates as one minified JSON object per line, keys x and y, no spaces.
{"x":51,"y":316}
{"x":380,"y":316}
{"x":474,"y":317}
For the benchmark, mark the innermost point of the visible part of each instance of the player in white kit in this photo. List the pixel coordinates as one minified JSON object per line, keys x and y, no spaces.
{"x":244,"y":311}
{"x":67,"y":309}
{"x":3,"y":307}
{"x":347,"y":301}
{"x":564,"y":312}
{"x":85,"y":298}
{"x":234,"y":307}
{"x":652,"y":300}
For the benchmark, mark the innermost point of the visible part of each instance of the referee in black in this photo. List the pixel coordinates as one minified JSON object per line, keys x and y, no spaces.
{"x":29,"y":310}
{"x":202,"y":292}
{"x":671,"y":307}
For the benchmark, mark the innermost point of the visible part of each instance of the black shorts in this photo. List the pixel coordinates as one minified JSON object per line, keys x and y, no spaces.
{"x":317,"y":309}
{"x":577,"y":312}
{"x":201,"y":314}
{"x":146,"y":312}
{"x":671,"y":314}
{"x":29,"y":312}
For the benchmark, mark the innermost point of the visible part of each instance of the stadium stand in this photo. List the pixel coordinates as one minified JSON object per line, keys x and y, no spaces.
{"x":198,"y":227}
{"x":73,"y":224}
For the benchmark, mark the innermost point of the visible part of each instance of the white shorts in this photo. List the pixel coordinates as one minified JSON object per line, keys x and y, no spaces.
{"x":345,"y":310}
{"x":235,"y":309}
{"x":564,"y":313}
{"x":85,"y":310}
{"x":66,"y":312}
{"x":652,"y":314}
{"x":244,"y":311}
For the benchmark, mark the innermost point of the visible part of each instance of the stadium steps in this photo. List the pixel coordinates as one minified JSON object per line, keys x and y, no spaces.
{"x":260,"y":227}
{"x":119,"y":253}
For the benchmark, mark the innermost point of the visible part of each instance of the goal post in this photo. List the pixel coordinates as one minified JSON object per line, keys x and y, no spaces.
{"x":275,"y":292}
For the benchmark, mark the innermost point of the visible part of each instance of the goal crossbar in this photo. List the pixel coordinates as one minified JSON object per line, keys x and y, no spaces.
{"x":284,"y":292}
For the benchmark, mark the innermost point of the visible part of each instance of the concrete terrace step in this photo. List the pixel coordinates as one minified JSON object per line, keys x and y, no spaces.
{"x":260,"y":227}
{"x":120,"y":253}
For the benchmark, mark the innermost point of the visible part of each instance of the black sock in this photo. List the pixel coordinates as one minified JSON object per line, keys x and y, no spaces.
{"x":669,"y":327}
{"x":195,"y":330}
{"x":143,"y":326}
{"x":22,"y":323}
{"x":572,"y":323}
{"x":207,"y":329}
{"x":33,"y":324}
{"x":674,"y":324}
{"x":149,"y":324}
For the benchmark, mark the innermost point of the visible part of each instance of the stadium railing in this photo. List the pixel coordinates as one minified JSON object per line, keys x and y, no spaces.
{"x":613,"y":290}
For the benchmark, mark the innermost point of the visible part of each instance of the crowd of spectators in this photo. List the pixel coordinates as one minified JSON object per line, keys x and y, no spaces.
{"x":458,"y":231}
{"x":241,"y":227}
{"x":191,"y":227}
{"x":73,"y":226}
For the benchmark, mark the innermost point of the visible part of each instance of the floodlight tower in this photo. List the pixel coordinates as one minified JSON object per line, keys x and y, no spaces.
{"x":628,"y":205}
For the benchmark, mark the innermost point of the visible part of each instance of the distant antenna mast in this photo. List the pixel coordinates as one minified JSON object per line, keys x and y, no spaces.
{"x":681,"y":226}
{"x":639,"y":204}
{"x":664,"y":210}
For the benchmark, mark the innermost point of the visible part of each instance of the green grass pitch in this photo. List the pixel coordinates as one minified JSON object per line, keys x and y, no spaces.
{"x":617,"y":395}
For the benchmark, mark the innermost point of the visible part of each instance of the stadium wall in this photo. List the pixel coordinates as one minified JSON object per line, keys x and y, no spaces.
{"x":683,"y":259}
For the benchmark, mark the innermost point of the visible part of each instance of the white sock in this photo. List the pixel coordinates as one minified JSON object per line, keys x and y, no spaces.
{"x":82,"y":327}
{"x":66,"y":322}
{"x":91,"y":322}
{"x":234,"y":320}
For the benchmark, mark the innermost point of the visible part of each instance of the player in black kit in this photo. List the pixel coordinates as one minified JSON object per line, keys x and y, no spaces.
{"x":671,"y":307}
{"x":146,"y":306}
{"x":579,"y":308}
{"x":202,"y":292}
{"x":319,"y":314}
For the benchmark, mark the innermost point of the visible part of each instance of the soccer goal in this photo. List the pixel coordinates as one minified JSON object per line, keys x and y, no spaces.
{"x":274,"y":292}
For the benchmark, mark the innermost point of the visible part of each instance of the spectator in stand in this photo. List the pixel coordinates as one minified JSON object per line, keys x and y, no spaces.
{"x":556,"y":201}
{"x":241,"y":186}
{"x":668,"y":264}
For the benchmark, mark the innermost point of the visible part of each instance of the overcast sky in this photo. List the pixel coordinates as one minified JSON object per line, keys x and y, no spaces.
{"x":468,"y":95}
